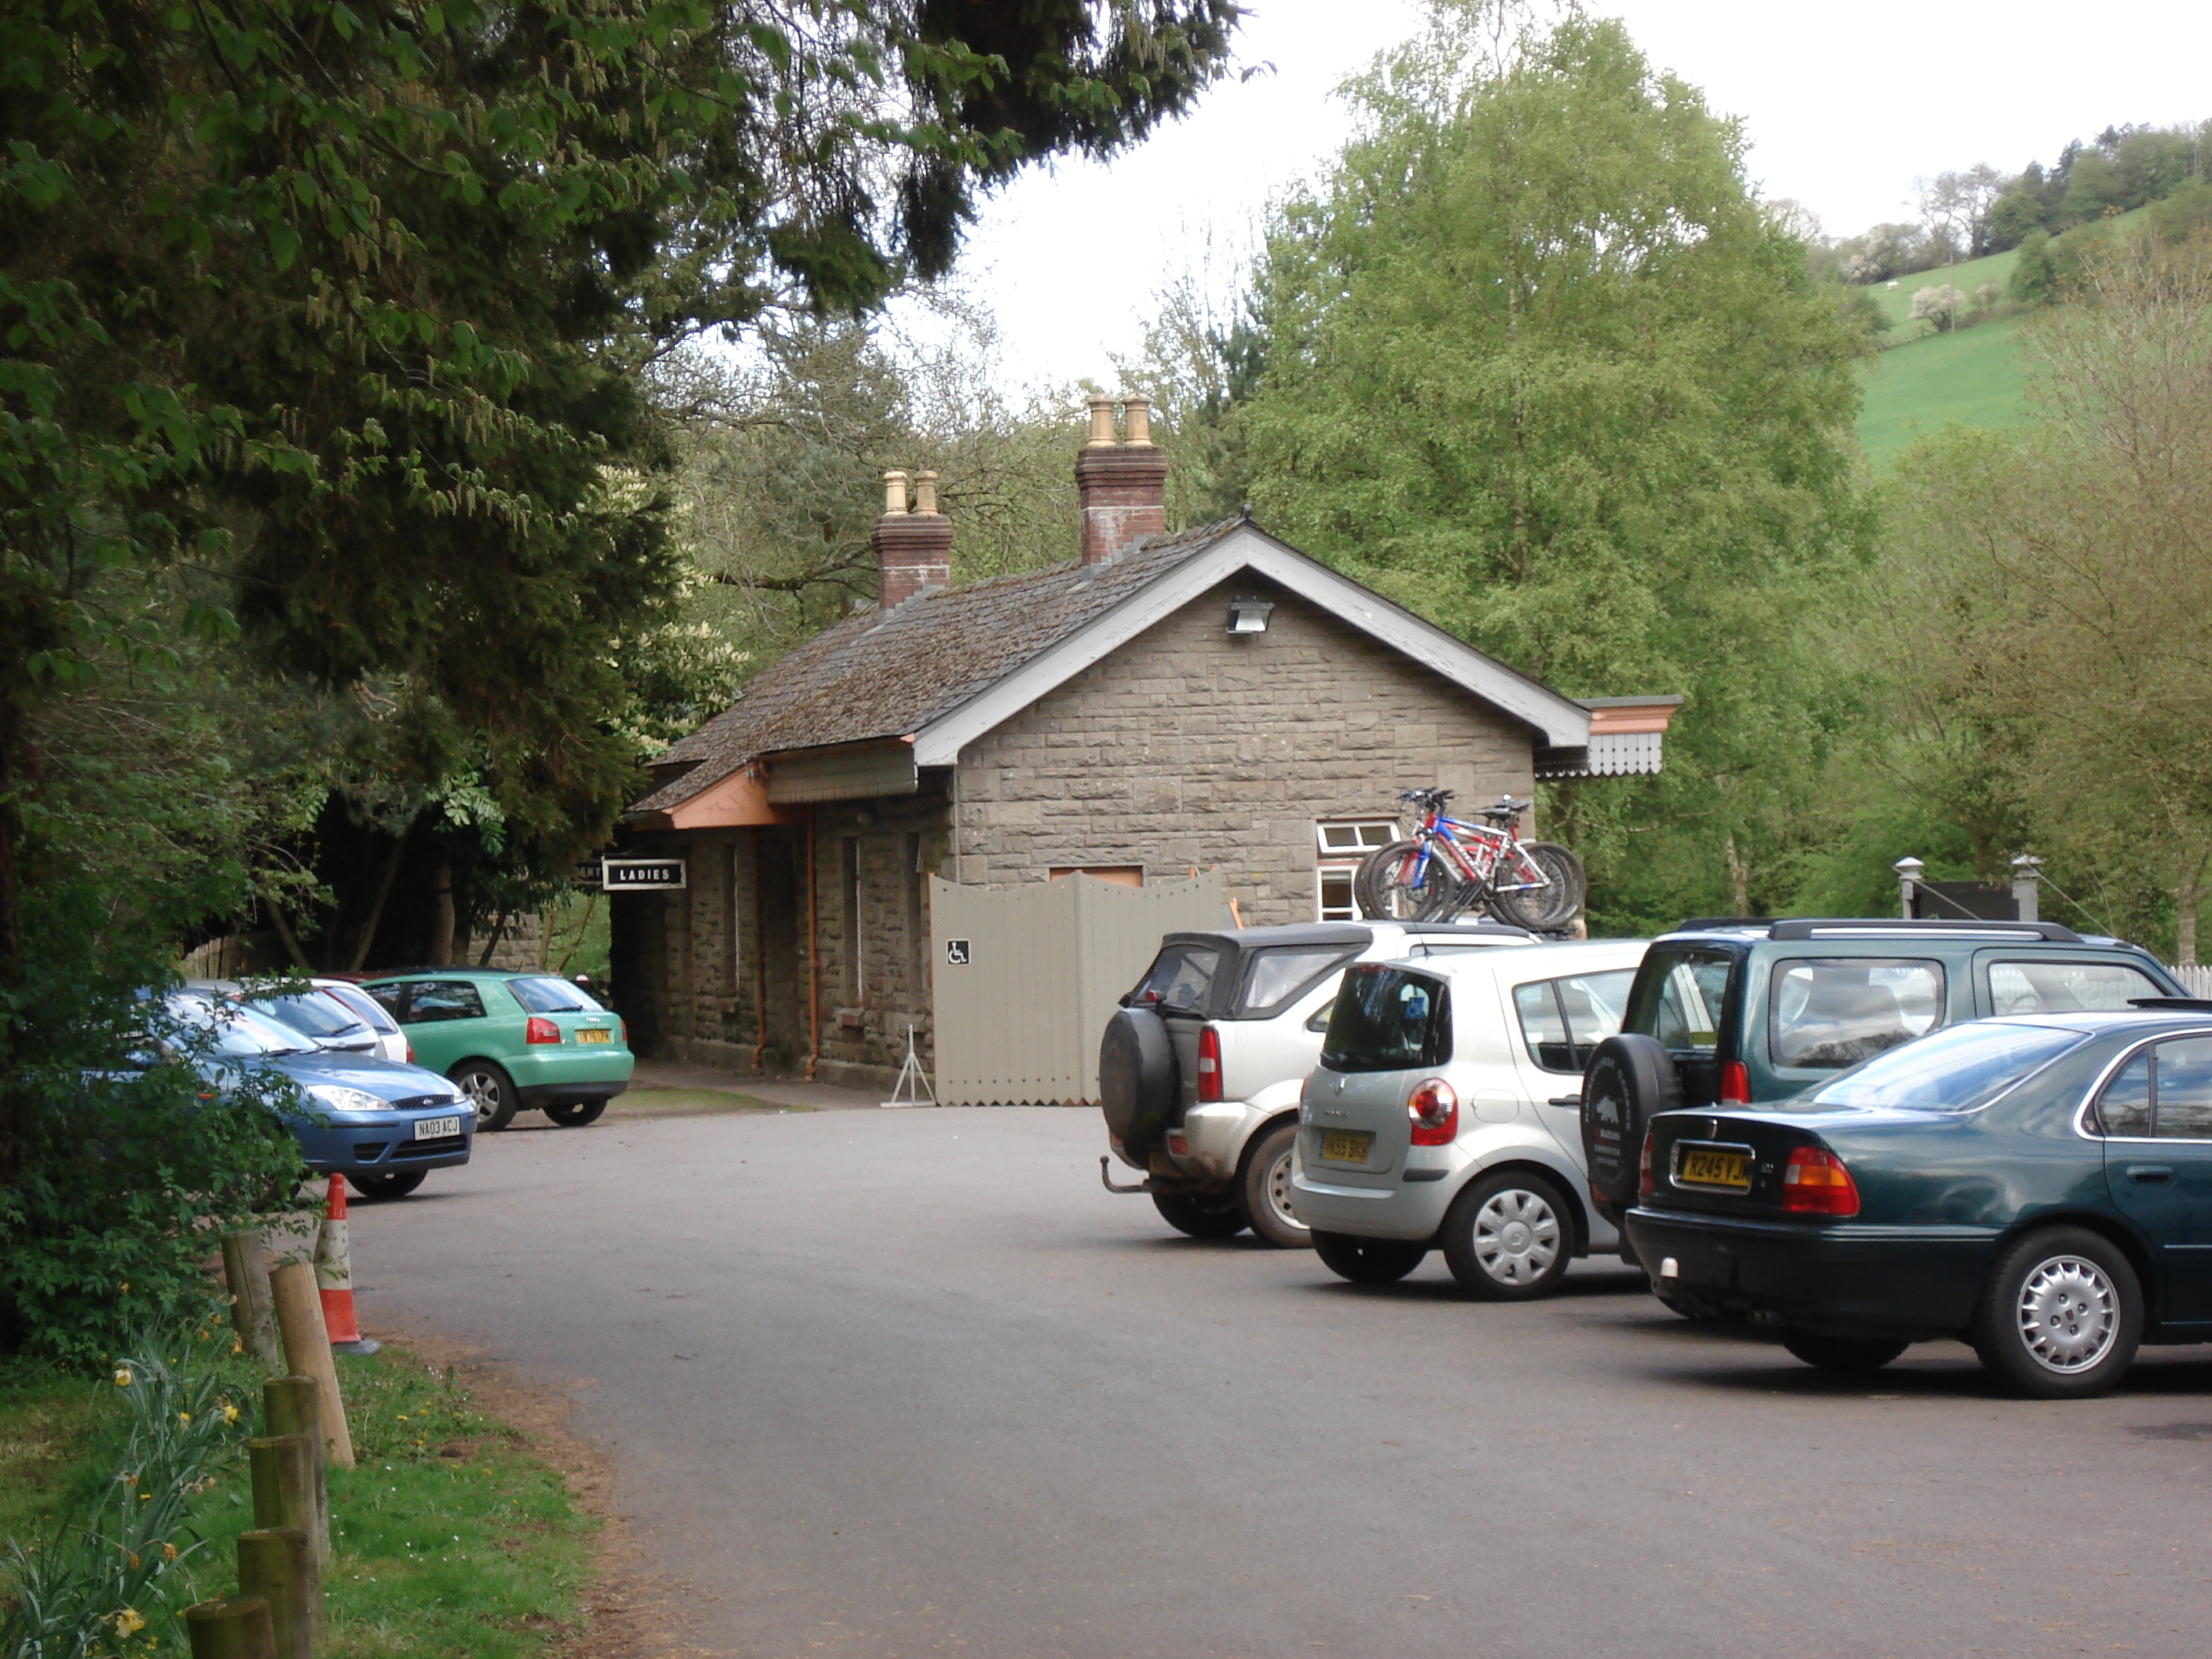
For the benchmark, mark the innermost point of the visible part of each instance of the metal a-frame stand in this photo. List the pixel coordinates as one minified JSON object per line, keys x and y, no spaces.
{"x":913,"y":1081}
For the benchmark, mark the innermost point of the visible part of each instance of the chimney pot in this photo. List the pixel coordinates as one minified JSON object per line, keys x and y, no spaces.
{"x":1137,"y":419}
{"x":1102,"y":424}
{"x":1122,"y":487}
{"x":914,"y":550}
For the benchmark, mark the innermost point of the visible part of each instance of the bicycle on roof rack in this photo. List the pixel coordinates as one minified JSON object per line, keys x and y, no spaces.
{"x":1450,"y":866}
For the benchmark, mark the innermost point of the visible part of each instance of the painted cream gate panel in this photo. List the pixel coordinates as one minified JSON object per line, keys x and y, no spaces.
{"x":1026,"y":978}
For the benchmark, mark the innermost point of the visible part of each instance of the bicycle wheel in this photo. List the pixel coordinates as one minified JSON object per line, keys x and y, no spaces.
{"x":1554,"y":905}
{"x":1393,"y":885}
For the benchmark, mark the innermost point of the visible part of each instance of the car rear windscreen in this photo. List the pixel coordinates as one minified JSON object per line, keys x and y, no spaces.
{"x":1953,"y":1069}
{"x":552,"y":996}
{"x":1180,"y":976}
{"x":1388,"y":1019}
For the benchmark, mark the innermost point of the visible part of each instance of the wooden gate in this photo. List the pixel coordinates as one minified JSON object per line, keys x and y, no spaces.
{"x":1026,"y":978}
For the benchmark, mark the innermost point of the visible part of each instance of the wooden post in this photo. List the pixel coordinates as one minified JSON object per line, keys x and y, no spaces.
{"x":291,"y":1404}
{"x":285,"y":1490}
{"x":307,"y":1350}
{"x":249,"y":1295}
{"x":231,"y":1627}
{"x":277,"y":1564}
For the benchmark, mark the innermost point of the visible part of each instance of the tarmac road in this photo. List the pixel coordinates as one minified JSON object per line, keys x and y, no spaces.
{"x":913,"y":1383}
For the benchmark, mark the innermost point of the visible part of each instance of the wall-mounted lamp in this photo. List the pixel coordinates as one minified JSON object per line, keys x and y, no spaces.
{"x":1249,"y":616}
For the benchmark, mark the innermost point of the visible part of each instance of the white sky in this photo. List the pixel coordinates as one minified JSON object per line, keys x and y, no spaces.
{"x":1842,"y":109}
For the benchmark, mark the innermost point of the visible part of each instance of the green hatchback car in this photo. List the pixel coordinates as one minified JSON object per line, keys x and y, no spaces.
{"x":511,"y":1041}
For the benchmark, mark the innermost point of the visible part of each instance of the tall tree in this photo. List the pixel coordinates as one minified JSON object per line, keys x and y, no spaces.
{"x":1541,"y":366}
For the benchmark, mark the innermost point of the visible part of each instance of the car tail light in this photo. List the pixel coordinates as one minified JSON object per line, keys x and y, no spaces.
{"x":1209,"y":1064}
{"x":1178,"y":1143}
{"x":1815,"y":1182}
{"x":1735,"y":1084}
{"x":624,"y":1024}
{"x":410,"y":1054}
{"x":1645,"y":1185}
{"x":1433,"y":1109}
{"x":540,"y":1030}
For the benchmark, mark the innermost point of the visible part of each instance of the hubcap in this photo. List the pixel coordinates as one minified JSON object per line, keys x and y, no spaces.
{"x":1517,"y":1236}
{"x":2069,"y":1313}
{"x":1279,"y":1194}
{"x":482,"y":1092}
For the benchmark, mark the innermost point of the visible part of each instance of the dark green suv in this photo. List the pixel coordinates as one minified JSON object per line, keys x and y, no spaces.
{"x":1727,"y":1012}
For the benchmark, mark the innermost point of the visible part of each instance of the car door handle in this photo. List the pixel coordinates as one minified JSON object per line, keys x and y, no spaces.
{"x":2151,"y":1174}
{"x":1565,"y":1100}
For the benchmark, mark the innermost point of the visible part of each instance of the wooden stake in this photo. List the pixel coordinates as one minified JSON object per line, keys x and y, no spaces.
{"x":249,"y":1295}
{"x":285,"y":1490}
{"x":307,"y":1350}
{"x":291,"y":1406}
{"x":231,"y":1627}
{"x":278,"y":1566}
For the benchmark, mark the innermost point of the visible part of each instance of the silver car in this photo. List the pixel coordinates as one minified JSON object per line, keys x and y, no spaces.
{"x":1445,"y":1115}
{"x":1201,"y":1069}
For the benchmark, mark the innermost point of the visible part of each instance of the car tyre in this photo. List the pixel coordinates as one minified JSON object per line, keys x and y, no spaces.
{"x":575,"y":1114}
{"x":1509,"y":1237}
{"x":1201,"y":1215}
{"x":489,"y":1090}
{"x":1630,"y":1080}
{"x":1265,"y":1189}
{"x":1842,"y":1356}
{"x":1368,"y":1261}
{"x":2061,"y":1315}
{"x":395,"y":1183}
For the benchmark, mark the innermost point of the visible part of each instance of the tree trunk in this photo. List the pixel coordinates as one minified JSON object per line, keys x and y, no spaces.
{"x":366,"y":941}
{"x":1739,"y":878}
{"x":284,"y":931}
{"x":498,"y":932}
{"x":441,"y":917}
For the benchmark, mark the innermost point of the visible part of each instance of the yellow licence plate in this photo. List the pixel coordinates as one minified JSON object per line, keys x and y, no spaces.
{"x":594,"y":1033}
{"x":1710,"y":1166}
{"x":1344,"y":1146}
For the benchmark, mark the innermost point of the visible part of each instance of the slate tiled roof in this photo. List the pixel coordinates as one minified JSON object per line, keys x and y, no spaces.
{"x":875,"y":677}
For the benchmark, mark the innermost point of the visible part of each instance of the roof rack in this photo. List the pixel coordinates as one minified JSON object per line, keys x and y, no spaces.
{"x":1718,"y":924}
{"x":1863,"y":926}
{"x":2177,"y":1004}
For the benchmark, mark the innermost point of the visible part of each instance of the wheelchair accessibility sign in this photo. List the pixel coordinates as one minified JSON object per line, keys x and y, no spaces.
{"x":957,"y":953}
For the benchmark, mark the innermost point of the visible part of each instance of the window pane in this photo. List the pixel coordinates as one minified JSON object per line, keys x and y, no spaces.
{"x":309,"y":1012}
{"x":1181,"y":976}
{"x":1337,"y":903}
{"x":1388,"y":1019}
{"x":2065,"y":988}
{"x":1838,"y":1011}
{"x":2184,"y":1090}
{"x":1951,"y":1071}
{"x":374,"y":1014}
{"x":1683,"y":994}
{"x":441,"y":999}
{"x":548,"y":995}
{"x":1542,"y":1031}
{"x":1339,"y":837}
{"x":1593,"y":1003}
{"x":1277,"y":975}
{"x":2124,"y":1108}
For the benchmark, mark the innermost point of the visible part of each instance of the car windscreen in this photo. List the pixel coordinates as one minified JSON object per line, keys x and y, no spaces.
{"x":1955,"y":1070}
{"x":230,"y":1028}
{"x":373,"y":1014}
{"x":1180,"y":976}
{"x":1276,"y":976}
{"x":548,"y":995}
{"x":1388,"y":1019}
{"x":310,"y":1013}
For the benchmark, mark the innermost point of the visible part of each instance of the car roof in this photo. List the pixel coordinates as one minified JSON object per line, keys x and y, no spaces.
{"x":1850,"y":930}
{"x":1538,"y":961}
{"x":457,"y":972}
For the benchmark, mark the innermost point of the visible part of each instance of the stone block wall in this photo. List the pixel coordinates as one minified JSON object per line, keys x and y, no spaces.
{"x":1190,"y":748}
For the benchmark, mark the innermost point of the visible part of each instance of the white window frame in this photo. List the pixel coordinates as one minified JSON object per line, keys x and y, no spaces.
{"x":1356,"y":839}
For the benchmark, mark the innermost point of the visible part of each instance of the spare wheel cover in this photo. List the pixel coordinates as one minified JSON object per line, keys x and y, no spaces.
{"x":1136,"y":1077}
{"x":1631,"y":1078}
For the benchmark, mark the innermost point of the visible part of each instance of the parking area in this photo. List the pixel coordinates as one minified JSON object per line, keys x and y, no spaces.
{"x":899,"y":1384}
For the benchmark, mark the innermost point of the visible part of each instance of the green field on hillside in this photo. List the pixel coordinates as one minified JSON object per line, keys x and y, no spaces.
{"x":1971,"y":376}
{"x":1966,"y":275}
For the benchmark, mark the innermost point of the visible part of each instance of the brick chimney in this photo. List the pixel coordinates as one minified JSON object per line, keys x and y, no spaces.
{"x":1122,"y":486}
{"x":914,"y":550}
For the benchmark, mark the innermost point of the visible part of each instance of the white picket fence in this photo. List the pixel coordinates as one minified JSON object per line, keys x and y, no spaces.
{"x":2197,"y":981}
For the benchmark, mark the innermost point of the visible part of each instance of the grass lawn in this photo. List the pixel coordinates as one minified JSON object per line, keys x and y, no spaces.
{"x":450,"y":1538}
{"x":1971,"y":376}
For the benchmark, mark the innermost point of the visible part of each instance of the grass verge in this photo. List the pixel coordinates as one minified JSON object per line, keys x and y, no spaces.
{"x":451,"y":1537}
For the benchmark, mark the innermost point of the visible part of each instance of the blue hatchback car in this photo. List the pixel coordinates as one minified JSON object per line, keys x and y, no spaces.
{"x":382,"y":1125}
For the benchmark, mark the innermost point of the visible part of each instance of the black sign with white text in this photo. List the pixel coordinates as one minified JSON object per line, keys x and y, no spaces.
{"x":640,"y":875}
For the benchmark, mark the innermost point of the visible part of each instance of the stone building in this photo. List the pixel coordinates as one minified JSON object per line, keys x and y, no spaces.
{"x":1166,"y":704}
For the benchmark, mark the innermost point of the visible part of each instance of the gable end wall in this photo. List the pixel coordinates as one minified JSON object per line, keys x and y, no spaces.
{"x":1189,"y":748}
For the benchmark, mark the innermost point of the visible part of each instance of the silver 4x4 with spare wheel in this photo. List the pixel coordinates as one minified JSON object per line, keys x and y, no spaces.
{"x":1443,"y":1117}
{"x":1729,"y":1013}
{"x":1200,"y":1072}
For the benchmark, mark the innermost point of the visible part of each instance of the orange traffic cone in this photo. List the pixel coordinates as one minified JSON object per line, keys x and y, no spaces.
{"x":334,"y":1276}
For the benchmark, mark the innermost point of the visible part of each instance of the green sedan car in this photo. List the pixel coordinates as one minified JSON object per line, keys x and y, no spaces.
{"x":511,"y":1041}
